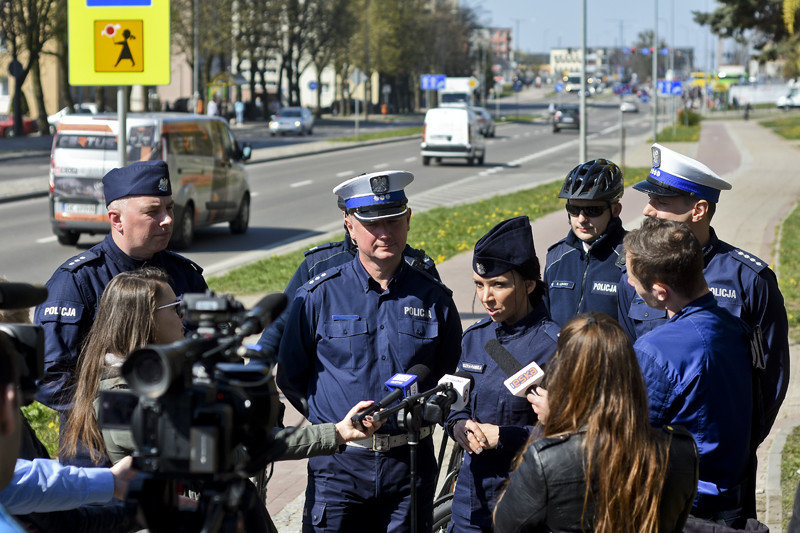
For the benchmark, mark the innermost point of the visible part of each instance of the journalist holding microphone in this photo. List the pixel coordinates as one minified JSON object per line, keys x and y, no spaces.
{"x":495,"y":424}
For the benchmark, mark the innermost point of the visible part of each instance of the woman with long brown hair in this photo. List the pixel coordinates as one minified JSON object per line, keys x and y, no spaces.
{"x":137,"y":308}
{"x":595,"y":427}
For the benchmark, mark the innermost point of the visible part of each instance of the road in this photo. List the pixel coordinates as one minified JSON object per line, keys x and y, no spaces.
{"x":292,"y":198}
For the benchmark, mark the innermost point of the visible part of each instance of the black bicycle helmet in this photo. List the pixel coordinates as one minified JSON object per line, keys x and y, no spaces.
{"x":598,"y":179}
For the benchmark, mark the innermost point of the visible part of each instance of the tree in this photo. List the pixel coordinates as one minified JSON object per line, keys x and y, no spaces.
{"x":642,"y":64}
{"x":26,"y":26}
{"x":331,"y":29}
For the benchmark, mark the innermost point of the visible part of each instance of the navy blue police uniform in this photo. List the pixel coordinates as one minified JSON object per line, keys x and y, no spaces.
{"x":482,"y":477}
{"x":578,"y":280}
{"x":76,"y":286}
{"x":697,"y":368}
{"x":318,"y":260}
{"x":742,"y":283}
{"x":344,"y":338}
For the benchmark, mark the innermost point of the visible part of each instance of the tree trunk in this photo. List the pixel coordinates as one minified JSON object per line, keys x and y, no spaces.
{"x":38,"y":94}
{"x":100,"y":98}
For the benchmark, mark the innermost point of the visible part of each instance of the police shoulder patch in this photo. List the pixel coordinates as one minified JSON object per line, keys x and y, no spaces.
{"x":480,"y":324}
{"x":183,"y":259}
{"x":748,"y":259}
{"x":437,"y":282}
{"x":76,"y":262}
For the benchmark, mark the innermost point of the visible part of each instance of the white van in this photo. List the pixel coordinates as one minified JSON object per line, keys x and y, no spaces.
{"x":452,"y":132}
{"x":206,"y":167}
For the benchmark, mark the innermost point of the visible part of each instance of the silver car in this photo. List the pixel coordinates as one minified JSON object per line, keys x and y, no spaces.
{"x":298,"y":120}
{"x":485,"y":121}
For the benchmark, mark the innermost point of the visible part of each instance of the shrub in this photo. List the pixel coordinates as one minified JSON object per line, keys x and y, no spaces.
{"x":693,"y":117}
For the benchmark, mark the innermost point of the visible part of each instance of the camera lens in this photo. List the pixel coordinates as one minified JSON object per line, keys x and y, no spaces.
{"x":149,"y":369}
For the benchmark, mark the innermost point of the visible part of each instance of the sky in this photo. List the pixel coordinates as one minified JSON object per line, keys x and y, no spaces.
{"x":552,"y":24}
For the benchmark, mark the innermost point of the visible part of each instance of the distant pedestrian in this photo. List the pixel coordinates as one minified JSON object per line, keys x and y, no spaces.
{"x":238,"y":108}
{"x":213,"y":108}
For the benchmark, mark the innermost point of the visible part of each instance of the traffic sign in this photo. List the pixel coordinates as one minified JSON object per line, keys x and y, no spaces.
{"x":432,"y":82}
{"x":559,"y":87}
{"x":313,"y":85}
{"x":357,"y":78}
{"x":119,"y":42}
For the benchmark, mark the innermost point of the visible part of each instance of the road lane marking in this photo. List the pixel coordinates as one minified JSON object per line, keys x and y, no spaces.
{"x":380,"y":166}
{"x":300,"y":183}
{"x":344,"y":174}
{"x":46,"y":240}
{"x":409,"y":159}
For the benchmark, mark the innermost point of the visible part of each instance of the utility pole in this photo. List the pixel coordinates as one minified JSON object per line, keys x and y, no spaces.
{"x":196,"y":66}
{"x":655,"y":73}
{"x":582,"y":131}
{"x":367,"y":82}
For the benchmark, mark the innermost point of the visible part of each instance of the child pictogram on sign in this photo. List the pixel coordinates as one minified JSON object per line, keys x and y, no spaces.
{"x":119,"y":46}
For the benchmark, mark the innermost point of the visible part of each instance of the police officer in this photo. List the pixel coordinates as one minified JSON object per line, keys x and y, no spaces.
{"x":696,"y":366}
{"x":349,"y":330}
{"x":140,"y":211}
{"x":583,"y":269}
{"x":495,"y":425}
{"x":318,"y":260}
{"x":686,"y":190}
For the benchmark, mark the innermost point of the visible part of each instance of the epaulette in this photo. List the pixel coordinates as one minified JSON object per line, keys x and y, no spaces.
{"x":748,"y":259}
{"x":186,"y":260}
{"x":482,"y":323}
{"x":552,"y":246}
{"x":321,"y":247}
{"x":319,"y":279}
{"x":74,"y":263}
{"x":438,"y":283}
{"x":552,"y":330}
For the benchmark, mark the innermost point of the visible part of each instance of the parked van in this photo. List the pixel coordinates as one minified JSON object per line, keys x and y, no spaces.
{"x":452,"y":132}
{"x":206,"y":167}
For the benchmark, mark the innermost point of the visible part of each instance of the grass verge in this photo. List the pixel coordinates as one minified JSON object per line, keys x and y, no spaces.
{"x":787,"y":127}
{"x":399,"y":132}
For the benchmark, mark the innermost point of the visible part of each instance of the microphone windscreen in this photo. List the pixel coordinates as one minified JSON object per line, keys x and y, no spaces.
{"x":21,"y":295}
{"x":423,"y":373}
{"x":507,"y":362}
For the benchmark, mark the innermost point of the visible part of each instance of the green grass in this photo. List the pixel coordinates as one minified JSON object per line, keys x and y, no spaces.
{"x":45,"y":422}
{"x":790,"y":474}
{"x":679,"y":133}
{"x":787,"y":127}
{"x":400,"y":132}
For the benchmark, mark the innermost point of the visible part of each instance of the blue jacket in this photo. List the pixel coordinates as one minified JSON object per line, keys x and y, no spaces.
{"x":318,"y":260}
{"x":44,"y":485}
{"x":344,"y":338}
{"x":483,"y":476}
{"x":697,"y":369}
{"x":578,"y":281}
{"x":74,"y":294}
{"x":745,"y":286}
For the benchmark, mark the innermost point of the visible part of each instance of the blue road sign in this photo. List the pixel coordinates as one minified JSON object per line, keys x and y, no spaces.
{"x":517,"y":87}
{"x":313,"y":85}
{"x":676,"y":88}
{"x":559,"y":87}
{"x":432,"y":82}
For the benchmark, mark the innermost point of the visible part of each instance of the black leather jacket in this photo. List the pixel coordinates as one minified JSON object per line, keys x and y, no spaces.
{"x":546,"y":492}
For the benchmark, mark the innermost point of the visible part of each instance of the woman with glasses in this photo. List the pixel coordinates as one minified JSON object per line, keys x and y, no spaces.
{"x":137,"y":308}
{"x":495,"y":424}
{"x":596,"y":427}
{"x":583,"y":269}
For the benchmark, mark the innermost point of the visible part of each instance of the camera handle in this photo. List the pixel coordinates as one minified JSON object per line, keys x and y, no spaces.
{"x":412,"y":422}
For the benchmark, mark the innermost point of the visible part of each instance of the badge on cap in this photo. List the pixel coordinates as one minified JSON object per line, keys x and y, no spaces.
{"x":655,"y":152}
{"x":379,"y":184}
{"x":163,"y":184}
{"x":480,"y":269}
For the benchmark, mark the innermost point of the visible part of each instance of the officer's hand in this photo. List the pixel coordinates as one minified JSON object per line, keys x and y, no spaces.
{"x":540,"y":403}
{"x":492,"y":434}
{"x":346,"y":431}
{"x":469,"y":435}
{"x":123,"y":472}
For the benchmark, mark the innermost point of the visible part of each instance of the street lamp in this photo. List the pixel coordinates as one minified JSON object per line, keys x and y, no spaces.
{"x":655,"y":72}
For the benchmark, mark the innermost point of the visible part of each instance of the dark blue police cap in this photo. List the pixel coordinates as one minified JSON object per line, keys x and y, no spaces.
{"x":143,"y":178}
{"x":507,"y":246}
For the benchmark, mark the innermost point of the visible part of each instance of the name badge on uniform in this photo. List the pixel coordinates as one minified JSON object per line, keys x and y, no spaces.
{"x":473,"y":367}
{"x":562,"y":284}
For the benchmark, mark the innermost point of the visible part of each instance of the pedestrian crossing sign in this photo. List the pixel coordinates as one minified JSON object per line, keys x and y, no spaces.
{"x":119,"y":42}
{"x":118,"y":46}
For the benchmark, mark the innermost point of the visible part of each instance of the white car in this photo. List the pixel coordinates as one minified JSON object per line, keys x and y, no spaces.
{"x":297,"y":120}
{"x":85,"y":108}
{"x":629,"y":105}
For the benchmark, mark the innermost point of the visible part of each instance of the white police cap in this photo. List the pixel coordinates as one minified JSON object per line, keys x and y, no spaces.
{"x":375,"y":196}
{"x":674,"y":174}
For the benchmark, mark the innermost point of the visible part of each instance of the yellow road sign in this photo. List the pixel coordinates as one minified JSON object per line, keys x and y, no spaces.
{"x":118,"y":46}
{"x":119,"y":42}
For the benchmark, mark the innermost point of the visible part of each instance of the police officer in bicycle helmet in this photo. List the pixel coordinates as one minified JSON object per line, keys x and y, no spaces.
{"x":583,"y":269}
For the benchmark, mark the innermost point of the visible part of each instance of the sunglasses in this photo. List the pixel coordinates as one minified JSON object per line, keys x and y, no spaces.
{"x":588,"y":210}
{"x":176,"y":304}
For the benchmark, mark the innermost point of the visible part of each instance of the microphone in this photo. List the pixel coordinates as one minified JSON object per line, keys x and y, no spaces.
{"x":402,"y":384}
{"x":21,"y":295}
{"x":461,"y":384}
{"x":521,"y":380}
{"x":263,"y":313}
